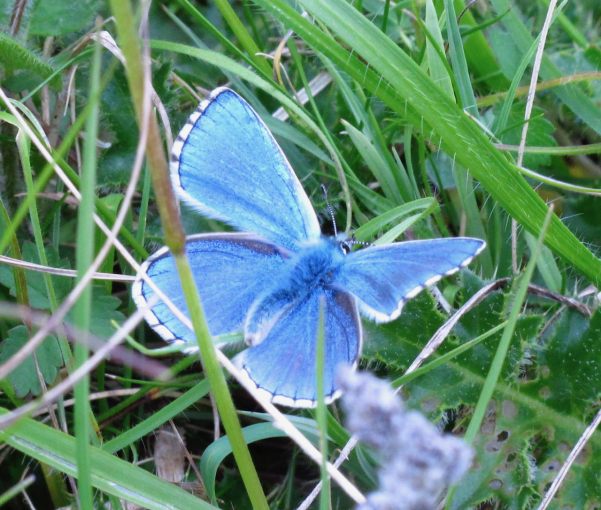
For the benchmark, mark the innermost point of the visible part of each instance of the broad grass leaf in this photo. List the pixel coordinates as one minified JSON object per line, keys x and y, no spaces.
{"x":109,"y":474}
{"x":507,"y":53}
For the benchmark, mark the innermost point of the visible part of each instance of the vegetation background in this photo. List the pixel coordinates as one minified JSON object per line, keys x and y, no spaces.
{"x":412,"y":113}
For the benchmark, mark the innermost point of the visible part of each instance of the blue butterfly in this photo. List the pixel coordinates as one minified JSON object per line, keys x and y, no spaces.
{"x":271,"y":280}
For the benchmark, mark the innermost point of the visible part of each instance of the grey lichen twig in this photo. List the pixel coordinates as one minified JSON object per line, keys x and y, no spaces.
{"x":61,"y":271}
{"x":527,"y":113}
{"x":417,"y":461}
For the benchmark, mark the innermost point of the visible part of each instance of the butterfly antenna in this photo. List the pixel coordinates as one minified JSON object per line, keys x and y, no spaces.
{"x":330,"y":208}
{"x":354,"y":242}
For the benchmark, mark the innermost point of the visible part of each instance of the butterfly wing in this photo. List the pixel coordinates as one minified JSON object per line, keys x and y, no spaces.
{"x":382,"y":278}
{"x":230,"y":271}
{"x":283,"y":364}
{"x":226,"y":164}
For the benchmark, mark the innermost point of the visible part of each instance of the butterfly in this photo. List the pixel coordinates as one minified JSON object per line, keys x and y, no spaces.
{"x":272,"y":280}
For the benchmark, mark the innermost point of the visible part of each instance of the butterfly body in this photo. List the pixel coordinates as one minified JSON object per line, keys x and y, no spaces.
{"x":276,"y":278}
{"x":316,"y":264}
{"x":312,"y":269}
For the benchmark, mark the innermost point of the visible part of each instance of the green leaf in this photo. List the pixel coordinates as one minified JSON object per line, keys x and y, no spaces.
{"x":117,"y":112}
{"x":36,"y":287}
{"x":218,"y":450}
{"x":375,"y":162}
{"x":540,"y":134}
{"x":583,"y":215}
{"x":158,"y":418}
{"x":214,"y":455}
{"x":105,"y":305}
{"x":14,"y":56}
{"x":568,"y":365}
{"x":396,"y":344}
{"x":546,"y":265}
{"x":109,"y":474}
{"x":105,"y":312}
{"x":24,"y":378}
{"x":62,"y":18}
{"x":508,"y":54}
{"x":571,"y":95}
{"x":435,"y":52}
{"x":538,"y":416}
{"x":456,"y":52}
{"x":401,"y":216}
{"x":479,"y":54}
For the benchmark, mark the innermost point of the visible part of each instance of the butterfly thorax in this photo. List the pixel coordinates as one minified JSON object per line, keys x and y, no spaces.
{"x":311,"y":269}
{"x":315,"y":264}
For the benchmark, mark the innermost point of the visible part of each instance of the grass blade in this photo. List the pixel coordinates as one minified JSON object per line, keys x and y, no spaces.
{"x":134,"y":484}
{"x":83,"y":308}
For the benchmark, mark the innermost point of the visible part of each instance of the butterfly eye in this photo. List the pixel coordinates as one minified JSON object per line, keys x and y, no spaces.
{"x":345,"y":247}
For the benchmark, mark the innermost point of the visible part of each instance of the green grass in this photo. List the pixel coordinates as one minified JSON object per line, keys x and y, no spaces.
{"x":414,"y":135}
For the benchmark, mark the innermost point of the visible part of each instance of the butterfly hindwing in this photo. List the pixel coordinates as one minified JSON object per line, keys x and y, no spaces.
{"x":230,"y":270}
{"x":383,"y":277}
{"x":283,"y":365}
{"x":226,"y":164}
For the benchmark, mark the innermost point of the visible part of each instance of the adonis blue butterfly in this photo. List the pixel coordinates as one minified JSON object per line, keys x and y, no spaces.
{"x":269,"y":281}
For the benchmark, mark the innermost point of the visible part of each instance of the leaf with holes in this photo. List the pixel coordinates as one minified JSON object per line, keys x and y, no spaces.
{"x":543,"y":401}
{"x":567,"y":379}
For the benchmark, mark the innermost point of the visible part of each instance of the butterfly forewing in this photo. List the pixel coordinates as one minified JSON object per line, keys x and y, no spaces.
{"x":230,"y":271}
{"x":227,"y":164}
{"x":383,"y":277}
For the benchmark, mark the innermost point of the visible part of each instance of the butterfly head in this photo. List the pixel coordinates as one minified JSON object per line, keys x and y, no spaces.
{"x":346,"y":243}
